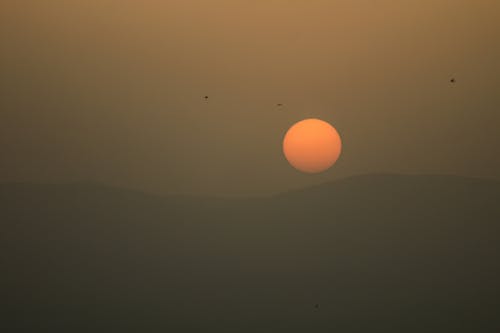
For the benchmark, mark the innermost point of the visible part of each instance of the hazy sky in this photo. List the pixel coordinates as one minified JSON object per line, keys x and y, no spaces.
{"x":112,"y":91}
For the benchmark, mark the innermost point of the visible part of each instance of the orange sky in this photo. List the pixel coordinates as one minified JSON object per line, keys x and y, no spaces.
{"x":112,"y":91}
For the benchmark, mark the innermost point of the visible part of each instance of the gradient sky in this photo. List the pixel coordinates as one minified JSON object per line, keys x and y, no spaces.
{"x":112,"y":91}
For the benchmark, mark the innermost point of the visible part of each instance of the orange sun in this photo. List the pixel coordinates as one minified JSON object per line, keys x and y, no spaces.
{"x":312,"y":145}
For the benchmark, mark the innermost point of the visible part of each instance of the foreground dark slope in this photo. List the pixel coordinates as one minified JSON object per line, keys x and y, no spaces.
{"x":378,"y":253}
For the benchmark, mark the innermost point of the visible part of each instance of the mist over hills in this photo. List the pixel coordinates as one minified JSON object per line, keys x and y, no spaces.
{"x":374,"y":253}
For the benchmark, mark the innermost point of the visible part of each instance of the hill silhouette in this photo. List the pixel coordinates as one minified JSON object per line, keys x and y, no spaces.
{"x":374,"y":253}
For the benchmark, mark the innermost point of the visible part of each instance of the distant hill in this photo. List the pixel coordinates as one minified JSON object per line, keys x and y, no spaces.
{"x":374,"y":253}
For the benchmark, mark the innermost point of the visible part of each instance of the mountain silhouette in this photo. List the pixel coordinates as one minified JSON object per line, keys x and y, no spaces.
{"x":379,"y":253}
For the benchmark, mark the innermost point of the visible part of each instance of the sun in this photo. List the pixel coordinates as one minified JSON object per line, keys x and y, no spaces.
{"x":312,"y":145}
